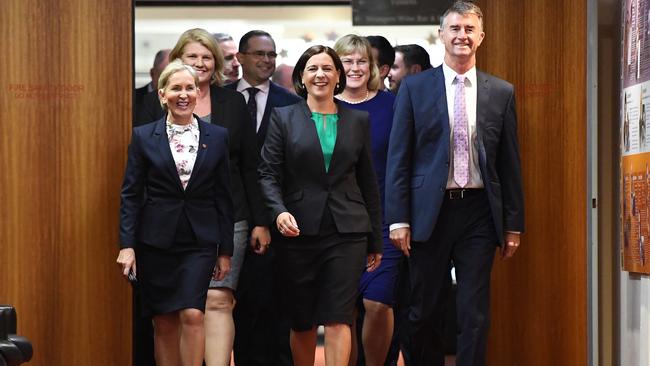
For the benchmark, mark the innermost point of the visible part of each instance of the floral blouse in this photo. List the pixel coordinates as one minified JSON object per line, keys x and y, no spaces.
{"x":184,"y":144}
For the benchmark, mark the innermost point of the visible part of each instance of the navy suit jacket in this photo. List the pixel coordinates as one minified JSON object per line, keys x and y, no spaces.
{"x":293,"y":176}
{"x":153,"y":198}
{"x":228,"y":110}
{"x":278,"y":97}
{"x":419,"y":153}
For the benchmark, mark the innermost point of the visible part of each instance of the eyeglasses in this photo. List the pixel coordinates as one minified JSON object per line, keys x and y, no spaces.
{"x":260,"y":54}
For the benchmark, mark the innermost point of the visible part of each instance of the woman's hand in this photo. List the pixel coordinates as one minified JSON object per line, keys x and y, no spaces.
{"x":260,"y":239}
{"x":373,"y":262}
{"x":287,"y":225}
{"x":126,"y":259}
{"x":222,"y":269}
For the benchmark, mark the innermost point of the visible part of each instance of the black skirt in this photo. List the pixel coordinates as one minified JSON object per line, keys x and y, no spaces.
{"x":321,"y":274}
{"x":174,"y":279}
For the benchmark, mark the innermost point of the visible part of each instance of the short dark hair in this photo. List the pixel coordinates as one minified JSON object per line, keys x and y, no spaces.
{"x":243,"y":42}
{"x":414,"y":55}
{"x":385,"y":50}
{"x":296,"y":77}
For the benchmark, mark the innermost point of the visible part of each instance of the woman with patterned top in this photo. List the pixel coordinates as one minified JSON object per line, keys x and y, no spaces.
{"x":176,"y":217}
{"x":227,"y":108}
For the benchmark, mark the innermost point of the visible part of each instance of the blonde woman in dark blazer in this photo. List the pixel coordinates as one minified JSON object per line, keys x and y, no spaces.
{"x":227,"y":108}
{"x":319,"y":183}
{"x":176,"y":217}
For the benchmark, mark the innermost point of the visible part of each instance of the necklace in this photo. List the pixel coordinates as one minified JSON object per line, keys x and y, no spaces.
{"x":355,"y":101}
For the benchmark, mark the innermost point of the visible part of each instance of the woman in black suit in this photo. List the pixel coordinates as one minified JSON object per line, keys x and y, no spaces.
{"x":319,"y":183}
{"x":226,"y":108}
{"x":176,"y":217}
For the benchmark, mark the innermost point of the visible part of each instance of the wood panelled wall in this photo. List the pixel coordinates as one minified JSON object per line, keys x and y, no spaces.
{"x":65,"y":112}
{"x":539,"y":299}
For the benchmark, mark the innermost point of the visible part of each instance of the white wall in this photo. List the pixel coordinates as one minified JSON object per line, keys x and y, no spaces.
{"x":294,"y":28}
{"x":635,"y":319}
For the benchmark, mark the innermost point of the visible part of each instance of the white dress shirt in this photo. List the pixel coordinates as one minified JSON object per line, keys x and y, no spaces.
{"x":260,"y":98}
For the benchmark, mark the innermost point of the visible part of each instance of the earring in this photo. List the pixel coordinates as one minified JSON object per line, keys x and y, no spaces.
{"x":337,"y":86}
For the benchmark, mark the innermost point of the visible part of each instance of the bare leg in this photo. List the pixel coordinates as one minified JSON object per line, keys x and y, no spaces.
{"x":377,"y":332}
{"x":303,"y":347}
{"x":354,"y":351}
{"x":219,"y":327}
{"x":192,"y":337}
{"x":166,"y":339}
{"x":337,"y":344}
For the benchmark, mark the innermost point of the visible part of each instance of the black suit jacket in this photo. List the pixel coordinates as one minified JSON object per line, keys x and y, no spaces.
{"x":153,"y":198}
{"x":278,"y":97}
{"x":228,"y":110}
{"x":293,"y":176}
{"x":418,"y":153}
{"x":138,"y":97}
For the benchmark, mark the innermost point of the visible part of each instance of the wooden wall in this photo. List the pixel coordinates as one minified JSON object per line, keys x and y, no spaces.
{"x":539,"y":299}
{"x":65,"y":112}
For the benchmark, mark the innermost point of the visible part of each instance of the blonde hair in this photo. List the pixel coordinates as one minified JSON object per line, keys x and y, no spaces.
{"x":172,"y":68}
{"x":352,"y":43}
{"x":206,"y":40}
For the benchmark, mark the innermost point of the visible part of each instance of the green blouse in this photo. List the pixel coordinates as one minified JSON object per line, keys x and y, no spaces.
{"x":326,"y":129}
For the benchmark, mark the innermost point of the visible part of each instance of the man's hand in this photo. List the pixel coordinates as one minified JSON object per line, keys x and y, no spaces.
{"x":260,"y":239}
{"x":511,"y":244}
{"x":401,"y":238}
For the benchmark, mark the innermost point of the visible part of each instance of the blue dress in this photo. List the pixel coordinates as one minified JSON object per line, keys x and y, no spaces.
{"x":379,"y":285}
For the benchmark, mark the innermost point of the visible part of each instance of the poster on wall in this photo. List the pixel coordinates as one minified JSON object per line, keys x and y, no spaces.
{"x":635,"y":139}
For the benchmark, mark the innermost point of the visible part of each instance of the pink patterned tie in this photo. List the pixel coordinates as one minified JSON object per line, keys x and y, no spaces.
{"x":461,"y":144}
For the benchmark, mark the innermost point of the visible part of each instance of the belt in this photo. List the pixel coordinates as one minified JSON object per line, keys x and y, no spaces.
{"x":462,"y":193}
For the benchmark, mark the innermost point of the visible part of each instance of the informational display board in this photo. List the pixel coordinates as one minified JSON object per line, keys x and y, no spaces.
{"x":398,"y":12}
{"x":635,"y":142}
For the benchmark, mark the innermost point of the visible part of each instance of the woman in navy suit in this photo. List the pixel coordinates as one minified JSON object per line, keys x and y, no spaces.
{"x":320,"y":186}
{"x":226,"y":108}
{"x":176,"y":217}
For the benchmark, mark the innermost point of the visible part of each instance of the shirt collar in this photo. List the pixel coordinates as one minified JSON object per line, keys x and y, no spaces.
{"x":194,"y":125}
{"x":450,"y":75}
{"x":243,"y":85}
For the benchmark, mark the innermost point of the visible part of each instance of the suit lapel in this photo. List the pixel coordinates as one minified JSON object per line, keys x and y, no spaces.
{"x":311,"y":139}
{"x":439,"y":95}
{"x":160,"y":133}
{"x":217,"y":106}
{"x":343,"y":132}
{"x":482,"y":100}
{"x":271,"y":102}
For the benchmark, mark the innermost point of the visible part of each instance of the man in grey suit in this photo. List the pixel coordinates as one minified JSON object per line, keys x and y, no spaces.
{"x":453,"y":188}
{"x":258,"y":324}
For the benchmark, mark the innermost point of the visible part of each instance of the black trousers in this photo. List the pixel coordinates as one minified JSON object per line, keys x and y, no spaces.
{"x":465,"y":234}
{"x":261,"y":325}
